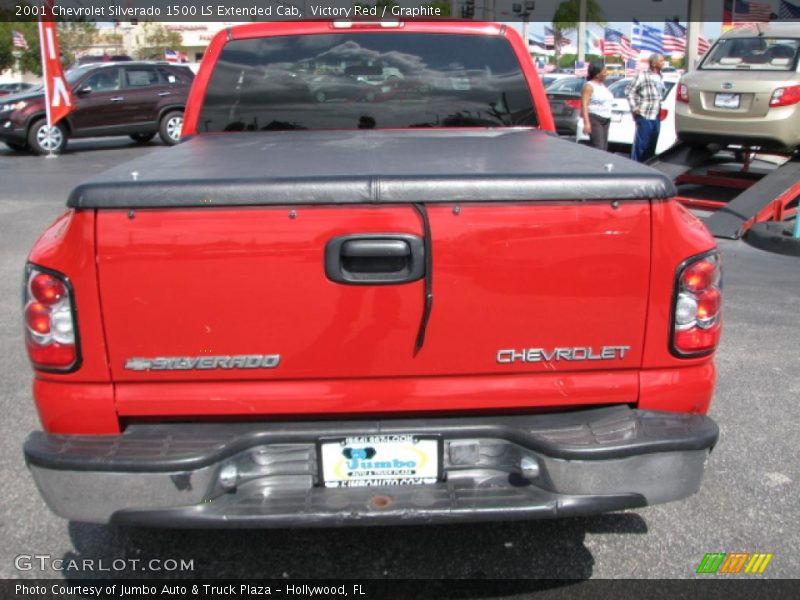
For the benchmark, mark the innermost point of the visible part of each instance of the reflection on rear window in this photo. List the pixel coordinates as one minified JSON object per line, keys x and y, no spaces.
{"x":754,"y":54}
{"x":366,"y":81}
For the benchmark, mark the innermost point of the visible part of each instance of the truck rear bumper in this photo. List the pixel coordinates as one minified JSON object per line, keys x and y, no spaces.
{"x":267,"y":475}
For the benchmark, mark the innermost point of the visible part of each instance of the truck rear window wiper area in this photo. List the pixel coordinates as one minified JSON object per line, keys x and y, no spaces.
{"x":367,"y":81}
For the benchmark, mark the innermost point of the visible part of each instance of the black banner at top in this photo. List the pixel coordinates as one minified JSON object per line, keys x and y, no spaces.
{"x":233,"y":11}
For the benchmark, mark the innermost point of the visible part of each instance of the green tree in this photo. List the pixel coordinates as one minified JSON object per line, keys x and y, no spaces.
{"x":28,"y":60}
{"x":566,"y":19}
{"x":7,"y":58}
{"x":71,"y":37}
{"x":567,"y":61}
{"x":158,"y":38}
{"x":75,"y":36}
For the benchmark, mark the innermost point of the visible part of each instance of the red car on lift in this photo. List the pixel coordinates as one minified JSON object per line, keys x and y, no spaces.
{"x":418,"y":307}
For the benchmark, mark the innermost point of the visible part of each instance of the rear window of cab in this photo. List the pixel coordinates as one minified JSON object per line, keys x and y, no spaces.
{"x":366,"y":81}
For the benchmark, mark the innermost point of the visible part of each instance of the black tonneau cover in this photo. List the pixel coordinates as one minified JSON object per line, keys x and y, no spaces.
{"x":346,"y":167}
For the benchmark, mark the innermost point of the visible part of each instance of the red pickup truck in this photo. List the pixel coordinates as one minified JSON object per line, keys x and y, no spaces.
{"x":370,"y":286}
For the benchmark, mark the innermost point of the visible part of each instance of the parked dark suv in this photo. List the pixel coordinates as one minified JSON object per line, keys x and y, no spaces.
{"x":138,"y":99}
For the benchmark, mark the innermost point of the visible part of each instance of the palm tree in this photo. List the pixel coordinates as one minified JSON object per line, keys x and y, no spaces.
{"x":567,"y":17}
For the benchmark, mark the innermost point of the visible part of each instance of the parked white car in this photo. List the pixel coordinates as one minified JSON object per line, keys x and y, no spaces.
{"x":622,"y":129}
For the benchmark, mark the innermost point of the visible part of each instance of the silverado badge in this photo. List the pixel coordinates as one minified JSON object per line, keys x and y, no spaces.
{"x":204,"y":363}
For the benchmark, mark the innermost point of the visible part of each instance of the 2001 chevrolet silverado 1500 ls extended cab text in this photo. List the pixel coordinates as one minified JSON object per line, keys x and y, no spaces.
{"x":370,"y":286}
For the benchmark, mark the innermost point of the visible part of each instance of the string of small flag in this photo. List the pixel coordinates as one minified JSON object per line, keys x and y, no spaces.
{"x":669,"y":40}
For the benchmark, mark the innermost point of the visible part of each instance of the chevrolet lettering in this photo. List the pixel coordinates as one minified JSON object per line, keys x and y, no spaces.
{"x":530,"y":355}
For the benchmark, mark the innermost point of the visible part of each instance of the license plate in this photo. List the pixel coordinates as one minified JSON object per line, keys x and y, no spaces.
{"x":616,"y":116}
{"x":727,"y":100}
{"x":373,"y":460}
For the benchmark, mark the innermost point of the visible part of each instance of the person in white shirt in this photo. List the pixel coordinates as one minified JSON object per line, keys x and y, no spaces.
{"x":596,"y":100}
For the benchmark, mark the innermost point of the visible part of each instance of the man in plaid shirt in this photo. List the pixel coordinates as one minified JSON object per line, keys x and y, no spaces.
{"x":644,"y":96}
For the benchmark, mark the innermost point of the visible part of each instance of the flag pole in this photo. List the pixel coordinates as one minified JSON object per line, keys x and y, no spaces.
{"x":582,"y":30}
{"x":693,"y":27}
{"x":42,"y":49}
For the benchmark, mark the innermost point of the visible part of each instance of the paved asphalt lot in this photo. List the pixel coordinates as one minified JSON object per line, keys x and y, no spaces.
{"x":748,"y":502}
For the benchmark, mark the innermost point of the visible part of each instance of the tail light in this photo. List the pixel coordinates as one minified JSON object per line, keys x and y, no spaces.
{"x":662,"y":114}
{"x":683,"y":93}
{"x":697,"y":308}
{"x":50,"y":325}
{"x":785,"y":96}
{"x":573,"y":103}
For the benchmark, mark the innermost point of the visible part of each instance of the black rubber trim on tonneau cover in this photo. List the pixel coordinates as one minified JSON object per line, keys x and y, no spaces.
{"x":593,"y":434}
{"x":344,"y":167}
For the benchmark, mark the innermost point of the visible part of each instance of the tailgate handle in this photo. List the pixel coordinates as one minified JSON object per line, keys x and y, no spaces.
{"x":375,"y":259}
{"x":375,"y":249}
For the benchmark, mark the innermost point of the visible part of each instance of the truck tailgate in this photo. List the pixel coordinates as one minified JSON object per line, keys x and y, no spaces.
{"x":251,"y":281}
{"x":231,"y":290}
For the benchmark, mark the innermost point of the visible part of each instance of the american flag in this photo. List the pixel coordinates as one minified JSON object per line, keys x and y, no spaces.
{"x":702,"y":46}
{"x":646,"y":37}
{"x":171,"y":55}
{"x":19,"y":40}
{"x":536,"y":40}
{"x":674,"y":38}
{"x":788,"y":11}
{"x":581,"y":68}
{"x":632,"y":67}
{"x":550,"y":38}
{"x":750,"y":12}
{"x":617,"y":44}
